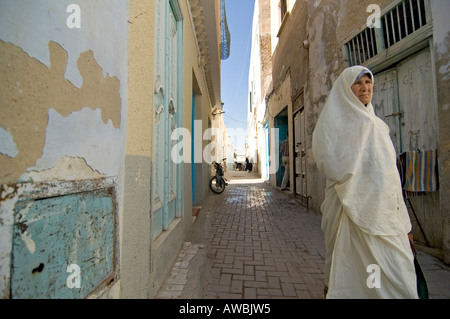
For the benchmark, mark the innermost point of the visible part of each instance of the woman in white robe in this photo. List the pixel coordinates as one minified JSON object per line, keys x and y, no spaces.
{"x":364,"y":217}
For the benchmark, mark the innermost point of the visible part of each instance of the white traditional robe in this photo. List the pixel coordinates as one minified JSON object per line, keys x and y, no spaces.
{"x":364,"y":216}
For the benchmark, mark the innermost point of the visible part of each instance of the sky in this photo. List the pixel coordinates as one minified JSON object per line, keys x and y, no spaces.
{"x":234,"y":77}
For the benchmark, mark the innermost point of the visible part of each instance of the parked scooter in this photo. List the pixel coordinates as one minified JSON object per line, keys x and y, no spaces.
{"x":218,"y":182}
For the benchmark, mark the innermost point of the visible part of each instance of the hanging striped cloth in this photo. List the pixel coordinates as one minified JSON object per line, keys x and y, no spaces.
{"x":421,"y":171}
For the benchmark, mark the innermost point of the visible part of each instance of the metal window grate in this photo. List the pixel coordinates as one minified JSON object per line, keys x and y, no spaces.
{"x":362,"y":47}
{"x":404,"y":19}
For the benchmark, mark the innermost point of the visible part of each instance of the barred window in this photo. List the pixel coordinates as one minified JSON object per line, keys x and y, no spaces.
{"x":401,"y":21}
{"x":362,"y":47}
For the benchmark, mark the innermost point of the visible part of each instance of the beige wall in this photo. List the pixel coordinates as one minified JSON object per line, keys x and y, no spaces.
{"x":146,"y":261}
{"x":441,"y":36}
{"x":136,"y":272}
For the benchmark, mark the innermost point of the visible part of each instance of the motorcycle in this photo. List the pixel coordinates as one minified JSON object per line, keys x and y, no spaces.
{"x":217,"y":183}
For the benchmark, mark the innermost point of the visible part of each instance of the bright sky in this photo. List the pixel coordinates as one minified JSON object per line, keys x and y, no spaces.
{"x":234,"y":82}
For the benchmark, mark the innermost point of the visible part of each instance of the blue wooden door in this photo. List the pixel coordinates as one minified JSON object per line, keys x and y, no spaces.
{"x":167,"y":176}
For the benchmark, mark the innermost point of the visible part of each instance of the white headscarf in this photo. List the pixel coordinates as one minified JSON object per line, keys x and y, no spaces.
{"x":352,"y":147}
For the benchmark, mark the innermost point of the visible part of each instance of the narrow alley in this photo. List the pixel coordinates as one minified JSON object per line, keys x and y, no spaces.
{"x":259,"y":244}
{"x":256,"y":242}
{"x":113,"y":110}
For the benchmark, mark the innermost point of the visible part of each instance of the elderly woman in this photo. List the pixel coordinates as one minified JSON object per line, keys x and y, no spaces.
{"x":364,"y":217}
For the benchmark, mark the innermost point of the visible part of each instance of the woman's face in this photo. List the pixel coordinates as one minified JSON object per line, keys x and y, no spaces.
{"x":363,"y":89}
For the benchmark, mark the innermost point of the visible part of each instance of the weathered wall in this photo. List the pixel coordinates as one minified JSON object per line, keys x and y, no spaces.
{"x":265,"y":46}
{"x":441,"y":39}
{"x":352,"y":15}
{"x":289,"y":70}
{"x":54,"y":77}
{"x":324,"y":67}
{"x":330,"y":25}
{"x":290,"y":54}
{"x":63,"y":107}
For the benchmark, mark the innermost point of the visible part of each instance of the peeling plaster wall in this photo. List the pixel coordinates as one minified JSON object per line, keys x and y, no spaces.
{"x":352,"y":15}
{"x":441,"y":39}
{"x":61,"y":87}
{"x":64,"y":98}
{"x":325,"y":64}
{"x":290,"y":53}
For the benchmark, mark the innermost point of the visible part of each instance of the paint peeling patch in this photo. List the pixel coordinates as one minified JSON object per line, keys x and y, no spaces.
{"x":7,"y":145}
{"x":67,"y":168}
{"x":82,"y":134}
{"x":445,"y":107}
{"x":444,"y":68}
{"x":29,"y":243}
{"x":22,"y":224}
{"x":33,"y":88}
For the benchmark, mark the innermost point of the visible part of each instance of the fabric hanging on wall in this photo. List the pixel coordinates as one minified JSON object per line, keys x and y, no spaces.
{"x":420,"y":171}
{"x":401,"y":165}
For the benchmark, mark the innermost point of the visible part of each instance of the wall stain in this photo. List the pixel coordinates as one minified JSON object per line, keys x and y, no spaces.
{"x":29,"y":89}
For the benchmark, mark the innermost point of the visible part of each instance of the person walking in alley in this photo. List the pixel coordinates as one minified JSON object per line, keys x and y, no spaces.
{"x":364,"y":217}
{"x":284,"y":150}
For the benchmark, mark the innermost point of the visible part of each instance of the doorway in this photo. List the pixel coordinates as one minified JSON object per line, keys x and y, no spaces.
{"x":300,"y":153}
{"x":281,"y":123}
{"x":266,"y":152}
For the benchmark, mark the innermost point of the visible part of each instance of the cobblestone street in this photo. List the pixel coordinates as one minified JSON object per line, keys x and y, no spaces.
{"x":255,"y":242}
{"x":263,"y":245}
{"x":258,"y":242}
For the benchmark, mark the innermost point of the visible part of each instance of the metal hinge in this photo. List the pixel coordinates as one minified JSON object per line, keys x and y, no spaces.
{"x":394,"y":114}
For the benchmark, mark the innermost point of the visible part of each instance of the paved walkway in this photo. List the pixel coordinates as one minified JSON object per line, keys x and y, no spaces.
{"x":255,"y":242}
{"x":263,"y":245}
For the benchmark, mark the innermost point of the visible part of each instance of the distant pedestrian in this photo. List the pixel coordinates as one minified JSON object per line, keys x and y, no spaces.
{"x":248,"y":165}
{"x":364,"y":217}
